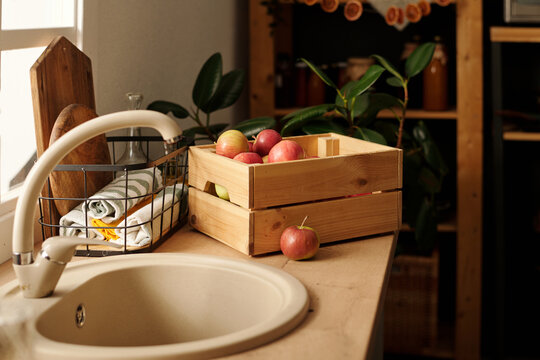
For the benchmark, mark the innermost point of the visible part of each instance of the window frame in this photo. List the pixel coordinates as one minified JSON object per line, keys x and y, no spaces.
{"x":20,"y":39}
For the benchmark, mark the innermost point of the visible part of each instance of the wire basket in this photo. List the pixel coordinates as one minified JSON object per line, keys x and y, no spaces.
{"x":143,"y":218}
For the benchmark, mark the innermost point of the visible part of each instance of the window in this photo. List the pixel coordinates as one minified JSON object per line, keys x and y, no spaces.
{"x":26,"y":28}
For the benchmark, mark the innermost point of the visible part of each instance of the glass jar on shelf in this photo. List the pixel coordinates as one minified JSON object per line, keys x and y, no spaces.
{"x":133,"y":152}
{"x":436,"y":79}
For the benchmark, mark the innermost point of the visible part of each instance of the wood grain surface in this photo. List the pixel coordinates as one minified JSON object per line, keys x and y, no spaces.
{"x":71,"y":184}
{"x":61,"y":76}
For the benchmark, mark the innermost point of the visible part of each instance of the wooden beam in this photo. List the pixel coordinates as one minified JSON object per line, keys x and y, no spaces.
{"x":469,"y":178}
{"x":514,"y":34}
{"x":261,"y":61}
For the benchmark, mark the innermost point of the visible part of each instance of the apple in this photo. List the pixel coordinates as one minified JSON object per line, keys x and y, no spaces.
{"x":265,"y":140}
{"x":231,"y":143}
{"x":222,"y":192}
{"x":250,"y":144}
{"x":299,"y":242}
{"x":249,"y":158}
{"x":265,"y":159}
{"x":286,"y":150}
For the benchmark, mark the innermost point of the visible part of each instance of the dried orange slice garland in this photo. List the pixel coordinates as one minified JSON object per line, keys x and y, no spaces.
{"x":353,"y":10}
{"x":329,"y":5}
{"x":413,"y":13}
{"x":395,"y":15}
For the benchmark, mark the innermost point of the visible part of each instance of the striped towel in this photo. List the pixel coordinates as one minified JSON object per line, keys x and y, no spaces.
{"x":102,"y":205}
{"x":73,"y":224}
{"x":151,"y":229}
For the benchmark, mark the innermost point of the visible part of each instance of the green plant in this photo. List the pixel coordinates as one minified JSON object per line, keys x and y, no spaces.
{"x":212,"y":91}
{"x":354,"y":113}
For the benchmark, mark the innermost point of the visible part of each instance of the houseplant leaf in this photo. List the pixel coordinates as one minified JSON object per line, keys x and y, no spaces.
{"x":419,"y":59}
{"x":166,"y":107}
{"x":207,"y":80}
{"x":252,"y":127}
{"x":320,"y":73}
{"x":431,"y":151}
{"x":394,"y":81}
{"x":426,"y":226}
{"x":378,"y":102}
{"x":199,"y":130}
{"x":369,"y":135}
{"x":300,"y":117}
{"x":323,"y":126}
{"x":391,"y":69}
{"x":365,"y":82}
{"x":228,"y":91}
{"x":360,"y":104}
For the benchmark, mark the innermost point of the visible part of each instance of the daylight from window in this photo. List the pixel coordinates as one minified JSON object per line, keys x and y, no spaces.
{"x":17,"y":136}
{"x":37,"y":14}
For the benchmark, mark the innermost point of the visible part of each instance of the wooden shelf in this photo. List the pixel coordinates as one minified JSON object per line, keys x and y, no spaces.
{"x":422,"y":114}
{"x":387,"y":114}
{"x":446,"y":226}
{"x":521,"y":136}
{"x":515,"y":34}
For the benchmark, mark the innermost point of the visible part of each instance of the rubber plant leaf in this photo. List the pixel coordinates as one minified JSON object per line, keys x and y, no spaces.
{"x":320,"y":73}
{"x":228,"y":91}
{"x":252,"y":127}
{"x":365,"y":82}
{"x":369,"y":135}
{"x":199,"y":130}
{"x":378,"y":102}
{"x":419,"y":59}
{"x":391,"y":69}
{"x":207,"y":81}
{"x":431,"y":151}
{"x":426,"y":226}
{"x":323,"y":126}
{"x":166,"y":107}
{"x":298,"y":118}
{"x":360,"y":104}
{"x":394,"y":81}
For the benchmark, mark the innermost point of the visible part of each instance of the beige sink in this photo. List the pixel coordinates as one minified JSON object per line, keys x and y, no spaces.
{"x":163,"y":306}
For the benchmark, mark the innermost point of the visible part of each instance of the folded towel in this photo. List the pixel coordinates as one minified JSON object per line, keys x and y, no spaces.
{"x":149,"y":229}
{"x":108,"y":229}
{"x":73,"y":224}
{"x":103,"y":204}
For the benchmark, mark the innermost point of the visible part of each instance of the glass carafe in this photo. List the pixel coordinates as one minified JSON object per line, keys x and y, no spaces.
{"x":133,"y":152}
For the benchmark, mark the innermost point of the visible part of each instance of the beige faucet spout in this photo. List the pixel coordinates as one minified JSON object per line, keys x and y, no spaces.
{"x":23,"y":236}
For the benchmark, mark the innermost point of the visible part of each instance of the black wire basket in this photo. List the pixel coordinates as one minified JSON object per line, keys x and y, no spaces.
{"x":164,"y":202}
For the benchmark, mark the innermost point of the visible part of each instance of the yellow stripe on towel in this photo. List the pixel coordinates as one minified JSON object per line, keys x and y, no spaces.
{"x":108,"y":229}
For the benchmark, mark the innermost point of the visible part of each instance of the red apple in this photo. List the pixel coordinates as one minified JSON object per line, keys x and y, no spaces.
{"x":249,"y":158}
{"x":265,"y":140}
{"x":299,"y":242}
{"x":231,"y":143}
{"x":250,"y":144}
{"x":286,"y":150}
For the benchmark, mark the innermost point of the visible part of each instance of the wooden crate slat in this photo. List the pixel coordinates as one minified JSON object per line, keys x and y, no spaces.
{"x":206,"y":168}
{"x":334,"y":220}
{"x":220,"y":219}
{"x":324,"y":178}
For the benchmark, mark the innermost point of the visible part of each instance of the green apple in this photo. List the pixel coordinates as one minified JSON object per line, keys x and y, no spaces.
{"x":222,"y":192}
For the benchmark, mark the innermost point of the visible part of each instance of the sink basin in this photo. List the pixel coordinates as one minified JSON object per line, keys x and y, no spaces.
{"x":163,"y":306}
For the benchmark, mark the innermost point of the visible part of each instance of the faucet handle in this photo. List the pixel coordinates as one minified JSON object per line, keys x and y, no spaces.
{"x":61,"y":249}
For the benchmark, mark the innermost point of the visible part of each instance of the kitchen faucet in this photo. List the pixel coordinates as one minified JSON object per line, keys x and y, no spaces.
{"x":39,"y":278}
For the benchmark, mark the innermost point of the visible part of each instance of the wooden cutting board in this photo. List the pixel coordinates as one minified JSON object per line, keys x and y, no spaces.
{"x":70,"y":184}
{"x":61,"y":76}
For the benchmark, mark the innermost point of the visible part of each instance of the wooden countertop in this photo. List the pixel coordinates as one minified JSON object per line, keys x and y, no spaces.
{"x":346,"y":282}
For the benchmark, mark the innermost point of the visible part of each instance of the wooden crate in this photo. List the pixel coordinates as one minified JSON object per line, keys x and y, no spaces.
{"x":267,"y":198}
{"x":410,"y":311}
